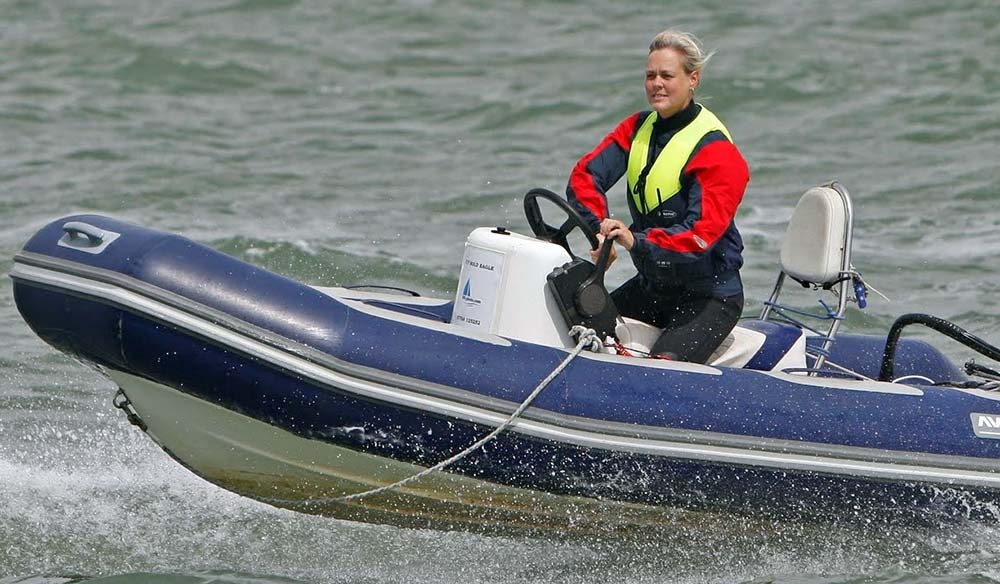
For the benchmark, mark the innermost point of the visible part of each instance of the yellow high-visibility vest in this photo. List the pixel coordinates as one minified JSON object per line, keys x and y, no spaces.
{"x":664,"y":178}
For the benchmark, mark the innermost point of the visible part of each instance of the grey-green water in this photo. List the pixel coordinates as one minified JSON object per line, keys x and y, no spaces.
{"x":338,"y":142}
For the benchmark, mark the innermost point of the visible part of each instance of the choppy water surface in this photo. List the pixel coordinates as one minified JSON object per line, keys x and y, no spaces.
{"x":361,"y":141}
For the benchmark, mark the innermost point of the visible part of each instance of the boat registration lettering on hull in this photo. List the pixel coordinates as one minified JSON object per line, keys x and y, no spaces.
{"x":986,"y":425}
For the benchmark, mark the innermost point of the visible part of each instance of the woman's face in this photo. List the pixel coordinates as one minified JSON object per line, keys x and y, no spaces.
{"x":668,"y":86}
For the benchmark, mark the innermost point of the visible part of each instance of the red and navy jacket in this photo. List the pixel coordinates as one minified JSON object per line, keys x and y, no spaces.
{"x":690,"y":241}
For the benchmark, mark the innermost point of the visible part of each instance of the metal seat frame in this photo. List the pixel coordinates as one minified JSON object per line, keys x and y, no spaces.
{"x":774,"y":311}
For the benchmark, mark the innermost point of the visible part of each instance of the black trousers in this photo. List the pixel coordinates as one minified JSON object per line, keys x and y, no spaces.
{"x":694,"y":323}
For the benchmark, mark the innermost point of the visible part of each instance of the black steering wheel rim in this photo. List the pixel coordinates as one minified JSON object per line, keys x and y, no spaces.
{"x":557,"y":235}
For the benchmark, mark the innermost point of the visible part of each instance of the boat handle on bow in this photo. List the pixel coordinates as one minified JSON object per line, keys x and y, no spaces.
{"x":94,"y":234}
{"x":86,"y":237}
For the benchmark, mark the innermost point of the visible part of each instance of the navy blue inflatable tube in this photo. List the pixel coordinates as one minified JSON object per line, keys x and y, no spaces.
{"x":735,"y":402}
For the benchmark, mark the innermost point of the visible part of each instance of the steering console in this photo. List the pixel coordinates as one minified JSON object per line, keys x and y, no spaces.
{"x":578,"y":286}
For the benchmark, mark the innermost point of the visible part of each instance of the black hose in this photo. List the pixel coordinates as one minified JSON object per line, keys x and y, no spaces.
{"x":942,"y":326}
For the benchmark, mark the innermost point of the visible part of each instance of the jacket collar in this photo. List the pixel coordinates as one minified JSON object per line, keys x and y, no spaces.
{"x":678,"y":120}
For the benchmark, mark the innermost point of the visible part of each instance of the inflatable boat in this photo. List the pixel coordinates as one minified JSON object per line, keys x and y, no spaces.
{"x":331,"y":400}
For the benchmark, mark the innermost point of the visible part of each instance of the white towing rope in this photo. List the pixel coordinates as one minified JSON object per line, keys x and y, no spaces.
{"x":588,"y":340}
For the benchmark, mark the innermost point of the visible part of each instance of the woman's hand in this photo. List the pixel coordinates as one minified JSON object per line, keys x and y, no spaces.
{"x":596,"y":253}
{"x":618,"y":231}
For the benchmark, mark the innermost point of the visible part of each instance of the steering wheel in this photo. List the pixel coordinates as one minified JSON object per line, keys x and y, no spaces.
{"x":546,"y":232}
{"x":578,"y":286}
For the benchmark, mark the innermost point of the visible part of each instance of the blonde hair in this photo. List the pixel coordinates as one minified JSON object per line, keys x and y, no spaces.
{"x":686,"y":44}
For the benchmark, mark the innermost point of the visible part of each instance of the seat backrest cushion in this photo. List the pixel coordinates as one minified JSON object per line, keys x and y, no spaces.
{"x":814,"y":245}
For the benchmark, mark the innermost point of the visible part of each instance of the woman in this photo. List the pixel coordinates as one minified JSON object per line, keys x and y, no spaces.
{"x":685,"y":181}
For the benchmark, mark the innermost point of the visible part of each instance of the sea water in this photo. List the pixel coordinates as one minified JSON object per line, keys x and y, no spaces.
{"x":358,"y":141}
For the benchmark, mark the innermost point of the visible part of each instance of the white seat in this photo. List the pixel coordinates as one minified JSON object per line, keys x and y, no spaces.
{"x":735,"y":351}
{"x":737,"y":348}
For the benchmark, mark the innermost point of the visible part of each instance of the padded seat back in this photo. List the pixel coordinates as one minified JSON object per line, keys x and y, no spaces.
{"x":816,"y":239}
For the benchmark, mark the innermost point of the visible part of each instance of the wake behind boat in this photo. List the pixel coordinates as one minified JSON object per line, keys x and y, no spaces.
{"x":298,"y":395}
